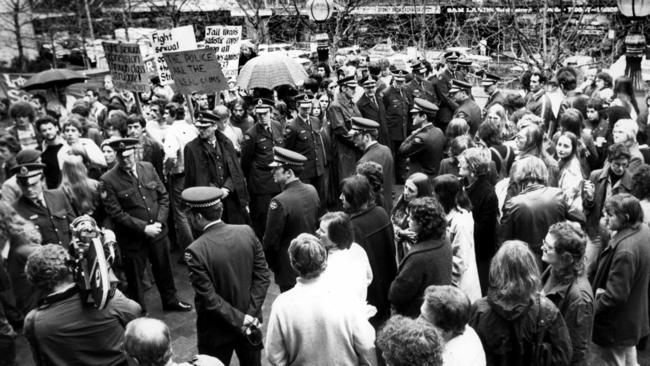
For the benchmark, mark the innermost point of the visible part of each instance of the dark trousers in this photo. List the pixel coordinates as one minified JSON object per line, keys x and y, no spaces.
{"x":247,"y":355}
{"x":181,"y":224}
{"x":135,"y":263}
{"x":401,"y":167}
{"x":259,"y":206}
{"x":318,"y":183}
{"x":233,"y":212}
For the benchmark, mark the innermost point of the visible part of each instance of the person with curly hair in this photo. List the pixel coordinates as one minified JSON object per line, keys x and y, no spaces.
{"x":416,"y":185}
{"x":375,"y":175}
{"x":641,"y":189}
{"x":410,"y":342}
{"x":429,"y":262}
{"x":65,"y":332}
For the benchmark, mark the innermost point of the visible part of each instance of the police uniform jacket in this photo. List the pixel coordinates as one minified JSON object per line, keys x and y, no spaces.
{"x":496,"y":98}
{"x":292,"y":212}
{"x":133,"y":203}
{"x":304,"y":137}
{"x":396,"y":105}
{"x":447,"y":105}
{"x":230,"y":277}
{"x":425,"y":149}
{"x":470,"y":109}
{"x":218,"y":166}
{"x":339,"y":114}
{"x":53,"y":221}
{"x":421,"y":89}
{"x":374,"y":110}
{"x":257,"y":154}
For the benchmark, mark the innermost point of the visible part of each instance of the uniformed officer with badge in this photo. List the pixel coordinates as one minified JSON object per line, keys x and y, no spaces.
{"x":302,"y":135}
{"x":48,"y":209}
{"x":256,"y":155}
{"x":419,"y":87}
{"x":136,"y":201}
{"x":339,"y":114}
{"x":489,"y":82}
{"x":424,"y":148}
{"x":230,"y":277}
{"x":396,"y":105}
{"x":461,"y":93}
{"x":447,"y":104}
{"x":292,"y":212}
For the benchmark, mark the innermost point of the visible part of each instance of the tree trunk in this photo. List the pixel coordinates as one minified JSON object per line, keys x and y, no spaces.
{"x":18,"y":31}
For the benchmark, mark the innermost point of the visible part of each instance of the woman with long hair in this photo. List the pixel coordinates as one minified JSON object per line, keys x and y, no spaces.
{"x":503,"y":155}
{"x":603,"y":89}
{"x":416,"y":185}
{"x":460,"y":233}
{"x":507,"y":319}
{"x":82,"y":192}
{"x":624,"y":132}
{"x":571,"y":174}
{"x":530,"y":142}
{"x":564,"y":282}
{"x":624,"y":96}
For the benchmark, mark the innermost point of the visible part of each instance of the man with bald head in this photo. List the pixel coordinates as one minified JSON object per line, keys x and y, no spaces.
{"x":147,"y":341}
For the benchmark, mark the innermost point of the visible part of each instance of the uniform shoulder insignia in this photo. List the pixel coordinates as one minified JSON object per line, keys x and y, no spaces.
{"x":247,"y":137}
{"x":273,"y":205}
{"x":187,"y":256}
{"x":417,"y":140}
{"x":287,"y":131}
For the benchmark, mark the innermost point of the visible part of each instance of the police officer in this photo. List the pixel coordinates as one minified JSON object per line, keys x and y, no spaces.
{"x":419,"y":87}
{"x":447,"y":104}
{"x":136,"y":201}
{"x":424,"y":147}
{"x":489,"y":82}
{"x":256,"y":155}
{"x":461,"y":93}
{"x":396,"y":104}
{"x":292,"y":212}
{"x":302,"y":135}
{"x":370,"y":108}
{"x":339,"y":114}
{"x":48,"y":209}
{"x":230,"y":276}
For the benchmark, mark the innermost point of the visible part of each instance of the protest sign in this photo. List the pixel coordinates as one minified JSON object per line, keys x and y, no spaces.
{"x":195,"y":71}
{"x":226,"y":42}
{"x":171,"y":40}
{"x":126,"y":65}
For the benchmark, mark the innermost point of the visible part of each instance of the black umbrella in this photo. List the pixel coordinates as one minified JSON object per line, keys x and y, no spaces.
{"x":54,"y":79}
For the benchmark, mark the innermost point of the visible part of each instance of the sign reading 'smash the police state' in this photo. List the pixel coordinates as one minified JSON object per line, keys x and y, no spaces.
{"x":226,"y":42}
{"x":126,"y":65}
{"x":171,"y":40}
{"x":195,"y":71}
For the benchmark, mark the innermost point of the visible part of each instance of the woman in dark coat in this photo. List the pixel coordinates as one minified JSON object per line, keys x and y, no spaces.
{"x":473,"y":168}
{"x":564,"y":282}
{"x":416,"y":185}
{"x":428,"y":262}
{"x":374,"y":232}
{"x":507,"y":320}
{"x":621,"y":282}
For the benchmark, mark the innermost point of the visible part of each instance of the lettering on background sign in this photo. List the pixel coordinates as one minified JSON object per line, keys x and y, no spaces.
{"x":225,"y":40}
{"x":126,"y":65}
{"x":170,"y":40}
{"x":195,"y":71}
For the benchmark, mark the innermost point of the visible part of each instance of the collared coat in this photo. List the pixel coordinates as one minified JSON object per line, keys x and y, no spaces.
{"x":133,"y":203}
{"x":292,"y":212}
{"x":427,"y":263}
{"x":496,"y":98}
{"x":52,"y":221}
{"x":304,"y":137}
{"x":374,"y":111}
{"x":257,"y":154}
{"x":621,"y":311}
{"x":447,"y":105}
{"x":374,"y":232}
{"x":425,"y":149}
{"x":396,"y":105}
{"x":340,"y":114}
{"x":230,"y":276}
{"x":382,"y":155}
{"x":594,"y":209}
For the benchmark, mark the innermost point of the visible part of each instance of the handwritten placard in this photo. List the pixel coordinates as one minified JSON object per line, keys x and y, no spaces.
{"x":226,"y":42}
{"x":126,"y":65}
{"x":196,"y":71}
{"x":171,"y":40}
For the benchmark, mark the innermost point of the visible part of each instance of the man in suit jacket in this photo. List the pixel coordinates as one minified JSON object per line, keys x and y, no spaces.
{"x":256,"y":155}
{"x":537,"y":101}
{"x":370,"y":108}
{"x":149,"y":150}
{"x":489,"y":84}
{"x":467,"y":109}
{"x":136,"y":201}
{"x":49,"y":210}
{"x":424,"y":148}
{"x":447,"y":104}
{"x":230,"y":277}
{"x":211,"y":160}
{"x":396,"y":104}
{"x":302,"y":135}
{"x":292,"y":212}
{"x":364,"y":134}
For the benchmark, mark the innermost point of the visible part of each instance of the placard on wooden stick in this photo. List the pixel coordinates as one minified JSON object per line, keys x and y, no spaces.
{"x":127,"y":66}
{"x":196,"y":71}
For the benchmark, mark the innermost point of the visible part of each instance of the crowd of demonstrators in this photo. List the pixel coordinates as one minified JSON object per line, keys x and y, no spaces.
{"x":520,"y":235}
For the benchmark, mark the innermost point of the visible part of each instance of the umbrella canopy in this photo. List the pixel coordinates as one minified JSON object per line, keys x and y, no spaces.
{"x":270,"y":70}
{"x":54,"y":78}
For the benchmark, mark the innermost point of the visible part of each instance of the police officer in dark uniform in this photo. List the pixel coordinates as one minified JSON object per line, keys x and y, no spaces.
{"x":256,"y":155}
{"x":424,"y":148}
{"x":211,"y":160}
{"x":463,"y":69}
{"x":339,"y":113}
{"x":370,"y":108}
{"x":396,"y":104}
{"x":302,"y":135}
{"x":230,"y":277}
{"x":489,"y":82}
{"x":461,"y":93}
{"x":48,"y":209}
{"x":136,"y":201}
{"x":419,"y":87}
{"x":292,"y":212}
{"x":447,"y":104}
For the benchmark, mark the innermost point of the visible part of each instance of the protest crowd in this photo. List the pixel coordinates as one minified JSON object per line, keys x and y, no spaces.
{"x":403,"y":222}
